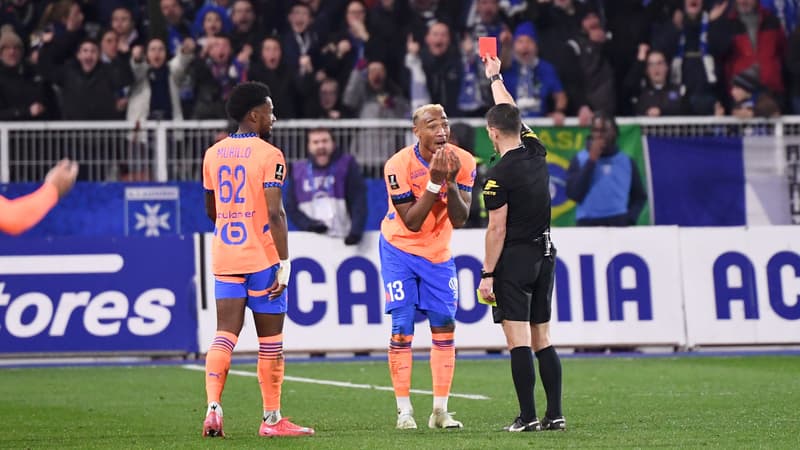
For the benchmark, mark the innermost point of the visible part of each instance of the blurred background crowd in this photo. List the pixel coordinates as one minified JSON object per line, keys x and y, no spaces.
{"x":179,"y":59}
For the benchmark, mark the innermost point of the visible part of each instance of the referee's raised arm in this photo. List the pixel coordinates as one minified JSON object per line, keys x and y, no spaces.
{"x":499,"y":91}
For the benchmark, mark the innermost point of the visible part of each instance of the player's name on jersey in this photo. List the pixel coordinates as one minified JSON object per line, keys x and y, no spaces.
{"x":234,"y":152}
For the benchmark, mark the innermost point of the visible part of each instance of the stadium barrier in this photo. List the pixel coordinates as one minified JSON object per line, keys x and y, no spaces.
{"x":643,"y":286}
{"x":172,"y":150}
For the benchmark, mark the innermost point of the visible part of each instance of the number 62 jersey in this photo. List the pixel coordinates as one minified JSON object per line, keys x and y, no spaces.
{"x":236,"y":170}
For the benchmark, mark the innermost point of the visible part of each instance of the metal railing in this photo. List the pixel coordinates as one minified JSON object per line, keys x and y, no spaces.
{"x":173,"y":151}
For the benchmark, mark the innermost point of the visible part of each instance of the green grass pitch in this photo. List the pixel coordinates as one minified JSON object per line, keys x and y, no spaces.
{"x":725,"y":402}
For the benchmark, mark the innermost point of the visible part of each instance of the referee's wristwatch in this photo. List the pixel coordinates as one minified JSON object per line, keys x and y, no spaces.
{"x":485,"y":274}
{"x":495,"y":77}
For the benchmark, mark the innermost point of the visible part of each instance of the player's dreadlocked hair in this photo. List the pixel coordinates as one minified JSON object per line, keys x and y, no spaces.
{"x":245,"y":97}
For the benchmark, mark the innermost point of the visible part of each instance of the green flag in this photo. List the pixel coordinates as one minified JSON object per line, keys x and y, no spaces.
{"x":562,"y":144}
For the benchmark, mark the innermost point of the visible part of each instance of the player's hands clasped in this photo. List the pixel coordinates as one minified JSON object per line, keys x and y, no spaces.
{"x":453,"y":166}
{"x":62,"y":176}
{"x":439,"y":166}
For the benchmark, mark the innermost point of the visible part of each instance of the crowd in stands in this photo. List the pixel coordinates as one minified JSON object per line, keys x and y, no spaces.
{"x":179,"y":59}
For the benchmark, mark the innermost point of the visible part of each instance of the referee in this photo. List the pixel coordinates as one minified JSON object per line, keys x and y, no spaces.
{"x":519,"y":266}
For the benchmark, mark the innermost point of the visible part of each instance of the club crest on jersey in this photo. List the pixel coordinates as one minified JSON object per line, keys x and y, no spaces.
{"x":279,"y":169}
{"x":393,"y":182}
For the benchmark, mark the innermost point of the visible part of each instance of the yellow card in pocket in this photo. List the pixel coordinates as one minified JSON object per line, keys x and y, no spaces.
{"x":483,"y":300}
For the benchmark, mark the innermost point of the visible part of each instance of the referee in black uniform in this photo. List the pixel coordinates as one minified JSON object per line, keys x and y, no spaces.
{"x":519,"y":266}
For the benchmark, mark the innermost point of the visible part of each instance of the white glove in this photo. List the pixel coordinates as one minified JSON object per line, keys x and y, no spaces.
{"x":284,"y":271}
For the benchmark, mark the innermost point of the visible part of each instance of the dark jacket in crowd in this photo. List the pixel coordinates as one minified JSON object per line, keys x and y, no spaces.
{"x":443,"y":76}
{"x":87,"y":96}
{"x":20,"y":87}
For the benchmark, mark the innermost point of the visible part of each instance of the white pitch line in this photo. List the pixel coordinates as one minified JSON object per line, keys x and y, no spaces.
{"x":344,"y":384}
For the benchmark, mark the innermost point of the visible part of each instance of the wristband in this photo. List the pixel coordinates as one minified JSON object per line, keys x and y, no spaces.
{"x":485,"y":274}
{"x":284,"y":271}
{"x":433,"y":187}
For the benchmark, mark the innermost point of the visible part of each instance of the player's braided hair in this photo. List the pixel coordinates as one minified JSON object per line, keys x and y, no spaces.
{"x":245,"y":97}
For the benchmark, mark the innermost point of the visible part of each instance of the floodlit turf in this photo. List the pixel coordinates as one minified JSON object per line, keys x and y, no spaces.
{"x":742,"y":402}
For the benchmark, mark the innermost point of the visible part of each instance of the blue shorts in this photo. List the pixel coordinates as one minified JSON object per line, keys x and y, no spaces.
{"x":251,"y":286}
{"x":413,"y":280}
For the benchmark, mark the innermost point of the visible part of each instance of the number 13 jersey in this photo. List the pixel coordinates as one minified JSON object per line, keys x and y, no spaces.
{"x":236,"y":170}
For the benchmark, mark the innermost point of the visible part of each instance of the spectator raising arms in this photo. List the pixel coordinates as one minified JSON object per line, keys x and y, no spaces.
{"x":155,"y":94}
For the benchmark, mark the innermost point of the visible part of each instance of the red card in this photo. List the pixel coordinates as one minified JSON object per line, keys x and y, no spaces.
{"x":487,"y":45}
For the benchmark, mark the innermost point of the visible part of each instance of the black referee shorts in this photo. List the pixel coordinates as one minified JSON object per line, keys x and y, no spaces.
{"x":523,"y":284}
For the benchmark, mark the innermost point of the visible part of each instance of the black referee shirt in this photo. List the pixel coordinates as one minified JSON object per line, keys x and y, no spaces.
{"x":521,"y":180}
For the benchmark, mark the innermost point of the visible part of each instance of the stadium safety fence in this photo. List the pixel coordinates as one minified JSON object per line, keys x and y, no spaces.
{"x":164,"y":151}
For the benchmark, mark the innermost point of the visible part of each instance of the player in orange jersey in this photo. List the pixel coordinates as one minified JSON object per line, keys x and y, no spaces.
{"x":430,"y":186}
{"x":21,"y":214}
{"x":243,"y":176}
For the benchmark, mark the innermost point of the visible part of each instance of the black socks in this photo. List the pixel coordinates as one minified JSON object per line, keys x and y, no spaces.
{"x":550,"y":371}
{"x":524,"y":378}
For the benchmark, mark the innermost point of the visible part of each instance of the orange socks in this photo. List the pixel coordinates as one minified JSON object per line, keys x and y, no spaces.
{"x":400,"y":364}
{"x":443,"y":363}
{"x":270,"y":370}
{"x":218,"y":362}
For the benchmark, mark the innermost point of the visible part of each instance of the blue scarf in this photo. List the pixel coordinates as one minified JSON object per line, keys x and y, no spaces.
{"x":708,"y":59}
{"x":469,"y":96}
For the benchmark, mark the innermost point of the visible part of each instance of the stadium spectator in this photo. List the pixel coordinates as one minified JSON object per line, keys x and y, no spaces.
{"x":61,"y":28}
{"x":327,"y":103}
{"x":215,"y":76}
{"x":211,"y":21}
{"x":370,"y":94}
{"x":154,"y":93}
{"x":23,"y":213}
{"x":351,"y":47}
{"x":651,"y":92}
{"x":286,"y":86}
{"x":787,"y":12}
{"x":588,"y":76}
{"x":23,"y":96}
{"x":178,"y":26}
{"x":21,"y":15}
{"x":254,"y":272}
{"x":693,"y":39}
{"x":749,"y":98}
{"x":89,"y":88}
{"x":534,"y":81}
{"x":416,"y":260}
{"x":122,"y":23}
{"x":325,"y":193}
{"x":441,"y":63}
{"x":477,"y":13}
{"x":473,"y":95}
{"x":487,"y":21}
{"x":604,"y":181}
{"x":387,"y":22}
{"x":755,"y":37}
{"x":300,"y":43}
{"x":246,"y":31}
{"x":557,"y":21}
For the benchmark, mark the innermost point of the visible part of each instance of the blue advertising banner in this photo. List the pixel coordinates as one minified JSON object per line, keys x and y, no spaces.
{"x":98,"y":295}
{"x":145,"y":209}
